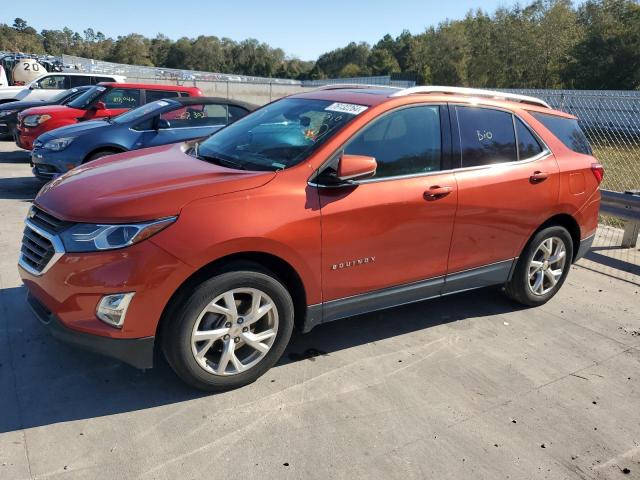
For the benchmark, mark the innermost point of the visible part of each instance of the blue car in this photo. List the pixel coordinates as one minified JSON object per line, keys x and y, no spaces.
{"x":157,"y":123}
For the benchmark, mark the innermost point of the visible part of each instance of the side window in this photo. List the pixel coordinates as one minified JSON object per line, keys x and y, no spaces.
{"x":404,"y":142}
{"x":153,"y":95}
{"x":528,"y":146}
{"x":79,"y":80}
{"x":147,"y":124}
{"x":236,"y":113}
{"x":196,"y":115}
{"x":122,"y":98}
{"x":217,"y":114}
{"x":487,"y":136}
{"x":53,"y":82}
{"x":567,"y":130}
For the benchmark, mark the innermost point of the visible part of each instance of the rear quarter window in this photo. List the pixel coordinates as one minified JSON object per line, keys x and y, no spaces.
{"x":566,"y":130}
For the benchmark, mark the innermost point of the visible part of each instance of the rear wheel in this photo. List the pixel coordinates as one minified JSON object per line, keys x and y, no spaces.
{"x":542,"y":268}
{"x":230,"y":330}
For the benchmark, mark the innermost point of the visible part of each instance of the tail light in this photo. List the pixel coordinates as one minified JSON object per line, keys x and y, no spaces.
{"x":598,"y":172}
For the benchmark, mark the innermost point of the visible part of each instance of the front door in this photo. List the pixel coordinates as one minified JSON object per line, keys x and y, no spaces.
{"x":388,"y":237}
{"x":115,"y":101}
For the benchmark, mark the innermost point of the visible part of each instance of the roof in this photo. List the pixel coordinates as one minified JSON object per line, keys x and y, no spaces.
{"x":209,"y":100}
{"x":150,"y":86}
{"x":371,"y":96}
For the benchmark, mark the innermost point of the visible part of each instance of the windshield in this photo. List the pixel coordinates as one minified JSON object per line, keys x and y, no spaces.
{"x":84,"y":100}
{"x":279,"y":135}
{"x":138,"y":113}
{"x":62,"y":95}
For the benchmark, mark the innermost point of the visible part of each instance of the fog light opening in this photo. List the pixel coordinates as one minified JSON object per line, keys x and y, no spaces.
{"x":112,"y":309}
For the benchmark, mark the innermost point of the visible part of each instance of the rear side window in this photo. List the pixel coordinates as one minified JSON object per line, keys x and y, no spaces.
{"x":487,"y":136}
{"x":566,"y":130}
{"x":153,"y":95}
{"x":122,"y":98}
{"x":528,"y":146}
{"x":79,"y":80}
{"x":404,"y":142}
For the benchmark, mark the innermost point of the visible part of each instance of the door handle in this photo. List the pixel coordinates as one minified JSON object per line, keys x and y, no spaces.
{"x":538,"y":177}
{"x":435,"y":192}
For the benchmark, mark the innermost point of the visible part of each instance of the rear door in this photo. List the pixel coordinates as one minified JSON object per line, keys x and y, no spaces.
{"x":508,"y":184}
{"x":386,"y":233}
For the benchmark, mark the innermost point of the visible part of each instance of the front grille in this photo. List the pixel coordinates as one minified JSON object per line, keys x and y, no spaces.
{"x":47,"y":222}
{"x":37,"y":251}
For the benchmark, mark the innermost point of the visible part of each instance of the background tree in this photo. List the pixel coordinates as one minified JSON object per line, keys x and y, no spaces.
{"x":542,"y":44}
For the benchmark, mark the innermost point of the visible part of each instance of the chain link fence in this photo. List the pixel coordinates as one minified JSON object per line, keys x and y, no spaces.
{"x":611,"y":122}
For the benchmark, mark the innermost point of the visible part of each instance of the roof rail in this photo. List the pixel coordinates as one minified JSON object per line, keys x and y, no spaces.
{"x":338,"y":86}
{"x":473,"y":92}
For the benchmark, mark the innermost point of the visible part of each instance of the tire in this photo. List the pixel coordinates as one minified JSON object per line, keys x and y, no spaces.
{"x":200,"y":363}
{"x":532,"y":282}
{"x":99,"y":154}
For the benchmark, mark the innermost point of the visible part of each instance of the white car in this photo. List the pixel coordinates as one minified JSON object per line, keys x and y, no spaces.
{"x":50,"y":84}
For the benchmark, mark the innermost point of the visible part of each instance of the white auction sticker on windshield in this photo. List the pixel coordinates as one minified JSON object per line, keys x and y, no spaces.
{"x":349,"y":108}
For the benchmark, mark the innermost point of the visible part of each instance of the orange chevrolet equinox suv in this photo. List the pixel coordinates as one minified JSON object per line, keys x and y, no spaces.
{"x":316,"y":207}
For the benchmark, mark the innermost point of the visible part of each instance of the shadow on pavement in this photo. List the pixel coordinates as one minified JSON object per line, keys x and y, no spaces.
{"x":16,"y":156}
{"x":19,"y":188}
{"x":46,"y":382}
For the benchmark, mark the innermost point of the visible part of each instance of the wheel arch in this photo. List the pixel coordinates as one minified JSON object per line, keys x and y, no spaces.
{"x":563,"y":220}
{"x":103,"y":148}
{"x":280,"y":268}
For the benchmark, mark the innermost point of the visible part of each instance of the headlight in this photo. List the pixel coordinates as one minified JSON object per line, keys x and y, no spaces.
{"x":6,"y":113}
{"x":58,"y":144}
{"x":35,"y":120}
{"x":87,"y":237}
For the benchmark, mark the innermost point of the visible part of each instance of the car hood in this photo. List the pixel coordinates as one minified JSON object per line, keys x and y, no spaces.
{"x":53,"y":110}
{"x":22,"y":104}
{"x":74,"y":130}
{"x":141,"y":185}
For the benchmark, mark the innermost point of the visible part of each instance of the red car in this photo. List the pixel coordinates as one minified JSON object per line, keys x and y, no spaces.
{"x":316,"y":207}
{"x":105,"y":100}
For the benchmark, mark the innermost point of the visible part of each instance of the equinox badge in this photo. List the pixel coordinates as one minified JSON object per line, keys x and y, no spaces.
{"x":353,"y":263}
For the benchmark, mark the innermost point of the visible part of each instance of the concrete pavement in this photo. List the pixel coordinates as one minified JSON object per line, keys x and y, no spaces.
{"x":469,"y":386}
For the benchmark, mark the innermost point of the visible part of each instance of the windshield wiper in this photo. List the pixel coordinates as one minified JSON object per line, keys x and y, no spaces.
{"x":220,"y":161}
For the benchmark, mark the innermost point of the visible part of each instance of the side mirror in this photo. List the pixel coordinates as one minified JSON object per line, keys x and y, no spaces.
{"x":162,"y":123}
{"x":34,"y":86}
{"x":356,"y":167}
{"x":100,"y":105}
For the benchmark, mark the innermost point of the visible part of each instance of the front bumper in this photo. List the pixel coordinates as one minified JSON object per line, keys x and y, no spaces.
{"x":137,"y":352}
{"x":47,"y":164}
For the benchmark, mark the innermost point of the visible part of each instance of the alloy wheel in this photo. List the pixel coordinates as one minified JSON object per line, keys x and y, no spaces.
{"x":547,"y":266}
{"x":235,"y":331}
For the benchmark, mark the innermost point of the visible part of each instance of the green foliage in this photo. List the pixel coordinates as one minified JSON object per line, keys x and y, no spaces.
{"x":544,"y":44}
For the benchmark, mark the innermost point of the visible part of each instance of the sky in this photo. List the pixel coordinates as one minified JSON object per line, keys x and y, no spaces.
{"x":304,"y":29}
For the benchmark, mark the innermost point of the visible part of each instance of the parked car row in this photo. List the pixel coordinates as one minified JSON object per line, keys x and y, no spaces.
{"x":317,"y":207}
{"x":82,"y":124}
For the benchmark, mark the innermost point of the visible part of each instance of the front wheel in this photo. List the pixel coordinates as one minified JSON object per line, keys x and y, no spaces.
{"x":542,"y":268}
{"x":230,"y":330}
